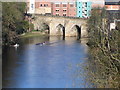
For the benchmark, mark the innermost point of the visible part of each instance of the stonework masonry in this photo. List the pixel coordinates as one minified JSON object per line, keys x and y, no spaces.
{"x":67,"y":23}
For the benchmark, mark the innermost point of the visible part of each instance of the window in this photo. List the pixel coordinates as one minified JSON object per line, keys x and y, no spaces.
{"x":64,"y":5}
{"x":85,"y":4}
{"x":40,"y":5}
{"x":71,"y":5}
{"x":57,"y":5}
{"x":32,"y":5}
{"x":44,"y":5}
{"x":57,"y":14}
{"x":57,"y":10}
{"x":64,"y":14}
{"x":64,"y":10}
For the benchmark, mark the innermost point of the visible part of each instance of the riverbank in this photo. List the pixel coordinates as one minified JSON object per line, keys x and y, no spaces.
{"x":103,"y":52}
{"x":32,"y":34}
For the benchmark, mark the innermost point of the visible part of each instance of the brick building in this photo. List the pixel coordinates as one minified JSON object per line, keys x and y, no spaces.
{"x":55,"y":7}
{"x":43,"y":7}
{"x":113,"y":9}
{"x":64,"y":9}
{"x":31,"y":6}
{"x":112,"y":5}
{"x":70,"y":8}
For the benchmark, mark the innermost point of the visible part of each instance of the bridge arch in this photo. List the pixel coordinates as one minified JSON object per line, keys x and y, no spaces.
{"x":46,"y":28}
{"x":76,"y":31}
{"x":79,"y":27}
{"x":42,"y":26}
{"x":60,"y":30}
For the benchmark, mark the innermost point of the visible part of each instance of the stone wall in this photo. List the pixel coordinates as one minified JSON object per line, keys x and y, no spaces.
{"x":67,"y":23}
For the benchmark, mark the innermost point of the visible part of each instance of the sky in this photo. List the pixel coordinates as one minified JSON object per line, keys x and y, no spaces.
{"x":112,"y":0}
{"x":82,"y":0}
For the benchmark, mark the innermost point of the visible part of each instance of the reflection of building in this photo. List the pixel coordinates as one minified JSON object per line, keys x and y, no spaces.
{"x":64,"y":9}
{"x":83,"y":8}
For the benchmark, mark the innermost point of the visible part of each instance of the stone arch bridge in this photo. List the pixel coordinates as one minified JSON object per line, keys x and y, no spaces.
{"x":62,"y":25}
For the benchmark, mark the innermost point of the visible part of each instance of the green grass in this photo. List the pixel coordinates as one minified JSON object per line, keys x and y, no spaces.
{"x":30,"y":34}
{"x":35,"y":31}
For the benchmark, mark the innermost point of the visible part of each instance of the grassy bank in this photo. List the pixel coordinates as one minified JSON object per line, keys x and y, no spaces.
{"x":32,"y":34}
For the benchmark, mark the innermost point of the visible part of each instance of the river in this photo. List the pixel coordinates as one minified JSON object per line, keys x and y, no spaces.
{"x":59,"y":64}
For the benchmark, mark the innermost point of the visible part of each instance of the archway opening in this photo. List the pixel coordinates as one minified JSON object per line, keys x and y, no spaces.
{"x":44,"y":27}
{"x":60,"y":30}
{"x":76,"y":31}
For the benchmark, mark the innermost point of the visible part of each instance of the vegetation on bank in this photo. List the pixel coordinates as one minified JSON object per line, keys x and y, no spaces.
{"x":104,"y":51}
{"x":13,"y":22}
{"x":32,"y":34}
{"x":16,"y":23}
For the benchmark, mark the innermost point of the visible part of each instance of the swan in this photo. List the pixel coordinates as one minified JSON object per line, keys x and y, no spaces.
{"x":16,"y":45}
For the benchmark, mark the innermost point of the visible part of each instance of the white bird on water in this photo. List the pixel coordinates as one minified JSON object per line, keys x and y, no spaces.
{"x":16,"y":45}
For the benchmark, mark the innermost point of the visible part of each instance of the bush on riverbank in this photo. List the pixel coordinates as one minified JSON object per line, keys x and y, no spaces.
{"x":13,"y":22}
{"x":104,"y":50}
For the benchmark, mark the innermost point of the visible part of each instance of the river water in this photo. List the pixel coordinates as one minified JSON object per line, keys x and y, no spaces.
{"x":59,"y":64}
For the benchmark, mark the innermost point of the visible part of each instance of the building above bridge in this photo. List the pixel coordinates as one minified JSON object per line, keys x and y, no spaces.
{"x":69,"y":8}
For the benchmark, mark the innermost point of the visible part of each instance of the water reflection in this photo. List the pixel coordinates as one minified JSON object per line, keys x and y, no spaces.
{"x":58,"y":65}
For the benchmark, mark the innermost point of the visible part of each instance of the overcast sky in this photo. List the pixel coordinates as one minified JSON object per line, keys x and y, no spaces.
{"x":112,"y":0}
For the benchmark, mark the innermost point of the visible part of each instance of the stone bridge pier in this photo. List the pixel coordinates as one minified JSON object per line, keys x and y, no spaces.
{"x":62,"y":25}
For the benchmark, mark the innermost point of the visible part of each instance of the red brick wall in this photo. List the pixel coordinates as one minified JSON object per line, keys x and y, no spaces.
{"x":69,"y":11}
{"x":72,"y":10}
{"x":38,"y":4}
